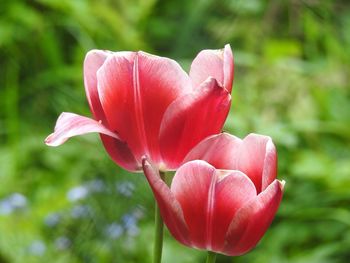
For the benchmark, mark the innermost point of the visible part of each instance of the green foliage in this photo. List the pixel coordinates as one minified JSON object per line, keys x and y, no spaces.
{"x":291,"y":82}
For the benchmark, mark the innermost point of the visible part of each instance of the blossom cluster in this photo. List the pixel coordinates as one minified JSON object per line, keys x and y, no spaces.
{"x":154,"y":117}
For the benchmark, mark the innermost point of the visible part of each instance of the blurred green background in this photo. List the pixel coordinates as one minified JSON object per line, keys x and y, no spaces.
{"x":73,"y":204}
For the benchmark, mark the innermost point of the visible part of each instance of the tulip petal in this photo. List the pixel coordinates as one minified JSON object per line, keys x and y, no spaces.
{"x":135,"y":94}
{"x":70,"y":124}
{"x":209,"y":201}
{"x":251,"y":221}
{"x":120,"y":153}
{"x":213,"y":63}
{"x":190,"y":119}
{"x":232,"y":192}
{"x":258,"y":159}
{"x":255,"y":156}
{"x":170,"y":208}
{"x":228,"y":68}
{"x":117,"y":149}
{"x":220,"y":150}
{"x":94,"y":59}
{"x":193,"y":186}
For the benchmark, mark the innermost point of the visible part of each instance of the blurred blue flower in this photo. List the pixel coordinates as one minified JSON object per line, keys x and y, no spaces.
{"x":114,"y":230}
{"x":37,"y":248}
{"x":80,"y":211}
{"x":52,"y":219}
{"x":5,"y":207}
{"x":13,"y":202}
{"x":130,"y":223}
{"x":129,"y":220}
{"x":125,"y":188}
{"x":62,"y":243}
{"x":133,"y":230}
{"x":138,"y":212}
{"x":96,"y":186}
{"x":77,"y":193}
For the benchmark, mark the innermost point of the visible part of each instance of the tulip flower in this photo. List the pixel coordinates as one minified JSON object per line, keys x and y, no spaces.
{"x":225,"y":195}
{"x":143,"y":104}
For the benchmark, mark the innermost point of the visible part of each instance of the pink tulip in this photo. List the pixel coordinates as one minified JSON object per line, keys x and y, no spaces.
{"x":147,"y":105}
{"x":224,"y":202}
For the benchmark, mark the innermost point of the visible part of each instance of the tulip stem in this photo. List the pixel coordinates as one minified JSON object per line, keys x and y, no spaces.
{"x":211,"y":257}
{"x":158,"y":239}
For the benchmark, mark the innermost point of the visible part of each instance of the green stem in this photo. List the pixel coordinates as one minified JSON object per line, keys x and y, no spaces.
{"x":211,"y":257}
{"x":158,"y":233}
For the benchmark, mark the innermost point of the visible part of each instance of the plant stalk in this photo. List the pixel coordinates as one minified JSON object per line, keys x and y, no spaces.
{"x":158,"y":232}
{"x":211,"y":257}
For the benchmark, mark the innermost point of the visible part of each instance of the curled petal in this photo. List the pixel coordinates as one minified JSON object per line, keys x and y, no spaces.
{"x":135,"y":94}
{"x":70,"y":124}
{"x":252,"y":220}
{"x":170,"y":208}
{"x":213,"y":63}
{"x":190,"y":119}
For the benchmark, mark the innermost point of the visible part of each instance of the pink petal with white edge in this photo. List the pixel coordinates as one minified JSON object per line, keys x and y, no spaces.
{"x":135,"y":95}
{"x":228,"y":68}
{"x":190,"y":119}
{"x":213,"y":63}
{"x":170,"y":208}
{"x":210,"y":198}
{"x":118,"y":150}
{"x":258,"y":159}
{"x":233,"y":190}
{"x":94,"y":59}
{"x":70,"y":124}
{"x":193,"y":187}
{"x":252,"y":220}
{"x":255,"y":156}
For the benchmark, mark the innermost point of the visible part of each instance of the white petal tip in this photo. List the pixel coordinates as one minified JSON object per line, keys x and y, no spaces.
{"x":282,"y":183}
{"x":50,"y":141}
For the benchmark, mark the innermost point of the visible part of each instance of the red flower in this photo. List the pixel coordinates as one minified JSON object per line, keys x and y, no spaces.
{"x":224,"y":202}
{"x":147,"y":105}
